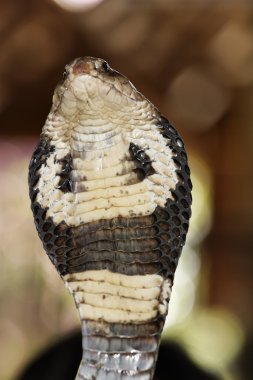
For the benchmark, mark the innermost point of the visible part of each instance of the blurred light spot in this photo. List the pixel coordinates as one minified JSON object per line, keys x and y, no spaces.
{"x":184,"y":289}
{"x":232,"y":50}
{"x":129,"y":34}
{"x":197,"y":99}
{"x":201,"y":219}
{"x":33,"y":46}
{"x":213,"y":337}
{"x":77,"y":5}
{"x":10,"y":332}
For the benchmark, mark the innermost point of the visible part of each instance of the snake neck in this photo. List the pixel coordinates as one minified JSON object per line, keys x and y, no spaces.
{"x":90,"y":124}
{"x":122,"y":317}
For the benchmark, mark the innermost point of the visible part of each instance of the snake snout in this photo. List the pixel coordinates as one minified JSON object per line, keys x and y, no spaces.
{"x":82,"y":66}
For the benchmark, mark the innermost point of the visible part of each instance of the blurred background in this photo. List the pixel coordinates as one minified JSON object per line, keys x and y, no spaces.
{"x":194,"y":60}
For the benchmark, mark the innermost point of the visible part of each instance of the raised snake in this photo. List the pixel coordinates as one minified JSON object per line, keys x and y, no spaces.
{"x":110,"y":191}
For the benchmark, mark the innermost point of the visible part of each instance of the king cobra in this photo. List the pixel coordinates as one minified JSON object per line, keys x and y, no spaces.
{"x":110,"y":192}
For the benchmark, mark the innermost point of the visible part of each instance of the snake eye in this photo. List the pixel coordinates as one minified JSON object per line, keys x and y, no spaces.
{"x":64,"y":75}
{"x":105,"y":67}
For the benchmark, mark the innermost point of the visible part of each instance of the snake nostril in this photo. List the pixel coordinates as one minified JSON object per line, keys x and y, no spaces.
{"x":81,"y":67}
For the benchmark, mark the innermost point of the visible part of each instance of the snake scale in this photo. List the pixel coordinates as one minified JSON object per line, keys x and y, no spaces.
{"x":110,"y":191}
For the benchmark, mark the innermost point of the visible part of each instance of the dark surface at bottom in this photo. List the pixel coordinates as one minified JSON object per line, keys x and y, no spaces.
{"x":61,"y":361}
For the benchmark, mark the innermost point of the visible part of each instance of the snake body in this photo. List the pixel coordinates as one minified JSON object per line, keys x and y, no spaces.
{"x":111,"y":194}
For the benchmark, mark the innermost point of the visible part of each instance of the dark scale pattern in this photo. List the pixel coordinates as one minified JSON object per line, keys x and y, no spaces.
{"x":174,"y":218}
{"x":54,"y":238}
{"x":122,"y":245}
{"x":65,"y":182}
{"x":142,"y":161}
{"x":39,"y":157}
{"x":57,"y":240}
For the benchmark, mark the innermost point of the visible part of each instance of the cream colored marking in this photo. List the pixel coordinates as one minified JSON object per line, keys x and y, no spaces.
{"x":138,"y":281}
{"x":110,"y":213}
{"x":109,"y":172}
{"x":97,"y":287}
{"x":114,"y":192}
{"x":101,"y":203}
{"x":116,"y":297}
{"x":90,"y":125}
{"x":119,"y":316}
{"x":90,"y":137}
{"x":79,"y":143}
{"x":108,"y":158}
{"x":116,"y":302}
{"x":107,"y":183}
{"x":114,"y":154}
{"x":165,"y":297}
